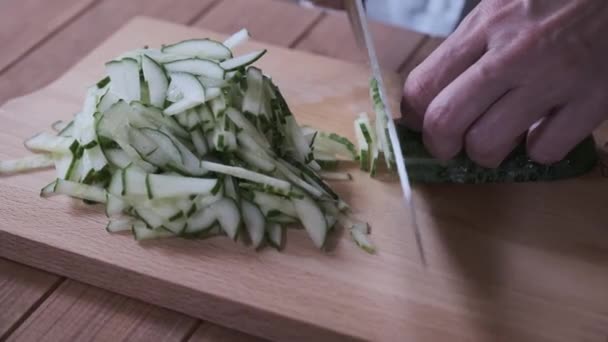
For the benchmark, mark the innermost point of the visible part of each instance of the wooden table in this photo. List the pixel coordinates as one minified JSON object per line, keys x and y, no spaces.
{"x":42,"y":39}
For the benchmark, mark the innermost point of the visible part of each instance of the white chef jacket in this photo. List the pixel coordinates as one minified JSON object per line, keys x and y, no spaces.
{"x":433,"y":17}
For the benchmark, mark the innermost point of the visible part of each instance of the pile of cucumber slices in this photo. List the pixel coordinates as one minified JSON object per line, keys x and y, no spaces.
{"x":191,"y":141}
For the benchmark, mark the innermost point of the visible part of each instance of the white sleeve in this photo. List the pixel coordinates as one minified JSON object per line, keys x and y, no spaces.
{"x":433,"y":17}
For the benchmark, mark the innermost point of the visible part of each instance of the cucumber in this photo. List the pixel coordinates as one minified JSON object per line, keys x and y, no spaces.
{"x":191,"y":89}
{"x":124,"y":76}
{"x":200,"y":48}
{"x":245,"y":174}
{"x":252,"y":102}
{"x":197,"y":67}
{"x":157,"y":80}
{"x":312,"y":219}
{"x":161,"y":186}
{"x":274,"y":234}
{"x":35,"y":162}
{"x":237,"y":38}
{"x":269,"y":203}
{"x":363,"y":141}
{"x":119,"y":225}
{"x":141,"y":232}
{"x":254,"y":222}
{"x":76,"y":190}
{"x":45,"y":142}
{"x":242,"y":61}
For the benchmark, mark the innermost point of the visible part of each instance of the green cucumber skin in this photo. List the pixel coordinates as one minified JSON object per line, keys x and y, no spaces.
{"x":516,"y":168}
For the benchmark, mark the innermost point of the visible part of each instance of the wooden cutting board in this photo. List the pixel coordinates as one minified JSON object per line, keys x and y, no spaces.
{"x":505,"y":262}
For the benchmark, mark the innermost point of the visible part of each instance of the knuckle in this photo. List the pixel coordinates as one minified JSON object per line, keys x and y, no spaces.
{"x":543,"y":155}
{"x":480,"y":149}
{"x":416,"y":91}
{"x":437,"y":121}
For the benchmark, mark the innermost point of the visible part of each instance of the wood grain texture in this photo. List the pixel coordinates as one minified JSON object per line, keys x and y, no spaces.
{"x":208,"y":332}
{"x":21,"y":287}
{"x":57,"y":54}
{"x":505,"y":262}
{"x":77,"y":312}
{"x":333,"y":37}
{"x":25,"y":23}
{"x":271,"y":21}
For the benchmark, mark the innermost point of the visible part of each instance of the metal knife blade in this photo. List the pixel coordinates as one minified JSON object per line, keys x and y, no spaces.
{"x":358,"y":19}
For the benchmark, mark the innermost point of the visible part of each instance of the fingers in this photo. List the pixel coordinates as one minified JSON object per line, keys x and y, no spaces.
{"x":457,"y":53}
{"x":459,"y":105}
{"x":556,"y":135}
{"x":498,"y":131}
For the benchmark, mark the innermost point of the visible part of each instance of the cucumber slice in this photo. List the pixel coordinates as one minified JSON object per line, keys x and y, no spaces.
{"x":107,"y":101}
{"x":200,"y":143}
{"x":192,"y":91}
{"x":248,"y":128}
{"x":115,"y":205}
{"x":284,"y":169}
{"x":197,"y":67}
{"x":312,"y":218}
{"x":46,"y":142}
{"x":274,"y":235}
{"x":118,"y":158}
{"x":237,"y":38}
{"x":362,"y":241}
{"x":382,"y":126}
{"x":228,"y":216}
{"x":252,"y":102}
{"x":162,"y":186}
{"x":119,"y":225}
{"x":158,"y":82}
{"x":245,"y":174}
{"x":370,"y":137}
{"x":68,"y":131}
{"x":335,"y":144}
{"x":259,"y":162}
{"x":303,"y":153}
{"x":254,"y":222}
{"x":242,"y":61}
{"x":60,"y":125}
{"x":269,"y":203}
{"x":336,"y":176}
{"x":200,"y":48}
{"x":141,"y":232}
{"x":35,"y":162}
{"x":363,"y":141}
{"x":76,"y":190}
{"x":165,"y":144}
{"x":124,"y":76}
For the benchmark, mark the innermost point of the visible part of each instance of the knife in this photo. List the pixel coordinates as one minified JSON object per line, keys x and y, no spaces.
{"x":358,"y":20}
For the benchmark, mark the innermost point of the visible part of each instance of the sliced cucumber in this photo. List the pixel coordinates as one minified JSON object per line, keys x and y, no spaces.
{"x":35,"y":162}
{"x":119,"y":225}
{"x":362,"y":241}
{"x":237,"y":38}
{"x":45,"y":142}
{"x":77,"y":190}
{"x":274,"y":234}
{"x":124,"y":76}
{"x":245,"y":174}
{"x":142,"y":232}
{"x":364,"y":144}
{"x":191,"y":89}
{"x":242,"y":61}
{"x":254,"y":222}
{"x":269,"y":203}
{"x":197,"y":67}
{"x":252,"y":102}
{"x":312,"y":218}
{"x":161,"y":186}
{"x":157,"y":80}
{"x":200,"y":48}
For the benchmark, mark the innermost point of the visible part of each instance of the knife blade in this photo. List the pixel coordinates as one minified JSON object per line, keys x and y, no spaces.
{"x":358,"y":20}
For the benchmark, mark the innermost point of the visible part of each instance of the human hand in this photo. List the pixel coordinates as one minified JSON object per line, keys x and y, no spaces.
{"x":514,"y":69}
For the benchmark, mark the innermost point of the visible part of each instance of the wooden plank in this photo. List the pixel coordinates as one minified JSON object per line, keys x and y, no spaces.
{"x":58,"y":53}
{"x":208,"y":332}
{"x":284,"y":22}
{"x":21,"y":288}
{"x":426,"y":47}
{"x":25,"y":23}
{"x":522,"y":289}
{"x":333,"y":37}
{"x":77,"y":312}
